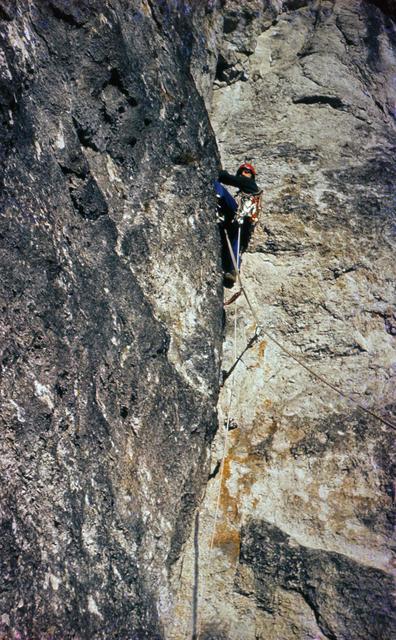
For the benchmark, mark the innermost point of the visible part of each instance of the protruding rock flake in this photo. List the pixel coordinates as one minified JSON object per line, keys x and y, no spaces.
{"x":110,"y":372}
{"x":310,"y":105}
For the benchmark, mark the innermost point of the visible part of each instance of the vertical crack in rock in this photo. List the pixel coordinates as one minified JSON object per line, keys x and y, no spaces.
{"x":111,"y":314}
{"x":302,"y":543}
{"x":112,"y":325}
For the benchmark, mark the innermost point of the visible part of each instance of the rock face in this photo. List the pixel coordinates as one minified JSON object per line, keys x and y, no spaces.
{"x":112,"y":323}
{"x":111,"y":313}
{"x":297,"y":542}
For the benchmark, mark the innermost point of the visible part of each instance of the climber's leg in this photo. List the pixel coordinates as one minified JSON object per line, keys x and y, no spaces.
{"x":226,"y":203}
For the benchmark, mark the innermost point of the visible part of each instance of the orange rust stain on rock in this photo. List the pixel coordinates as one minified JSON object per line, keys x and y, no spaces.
{"x":263,"y":417}
{"x":252,"y":464}
{"x":227,"y":536}
{"x":261,"y":351}
{"x":273,"y":427}
{"x":228,"y":539}
{"x":228,"y":503}
{"x":262,"y":348}
{"x":244,"y":465}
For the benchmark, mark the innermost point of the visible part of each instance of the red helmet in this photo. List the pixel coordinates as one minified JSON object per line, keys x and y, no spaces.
{"x":248,"y":167}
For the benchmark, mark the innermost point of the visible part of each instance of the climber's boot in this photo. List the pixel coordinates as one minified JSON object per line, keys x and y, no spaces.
{"x":230,"y":278}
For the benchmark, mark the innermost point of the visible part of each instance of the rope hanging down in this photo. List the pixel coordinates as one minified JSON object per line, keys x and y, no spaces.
{"x":260,"y":331}
{"x":197,"y":635}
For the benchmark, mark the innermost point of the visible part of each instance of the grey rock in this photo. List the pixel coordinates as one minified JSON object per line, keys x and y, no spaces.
{"x":297,"y":541}
{"x":330,"y":583}
{"x":109,"y":381}
{"x":112,"y":324}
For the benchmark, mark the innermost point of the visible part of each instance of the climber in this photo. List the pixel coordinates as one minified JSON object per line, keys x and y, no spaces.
{"x":237,"y":214}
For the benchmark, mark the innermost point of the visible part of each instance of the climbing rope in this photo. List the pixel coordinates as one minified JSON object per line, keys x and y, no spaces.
{"x":249,"y":345}
{"x":225,"y":446}
{"x":239,"y":277}
{"x":261,"y":331}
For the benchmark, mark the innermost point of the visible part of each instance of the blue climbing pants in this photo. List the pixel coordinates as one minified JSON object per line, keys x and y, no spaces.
{"x":227,"y":207}
{"x":227,"y":204}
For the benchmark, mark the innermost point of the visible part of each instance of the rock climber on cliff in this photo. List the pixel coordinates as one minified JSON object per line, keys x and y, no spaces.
{"x":237,"y":215}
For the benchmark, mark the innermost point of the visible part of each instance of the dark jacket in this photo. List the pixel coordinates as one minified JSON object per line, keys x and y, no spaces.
{"x":247,"y":185}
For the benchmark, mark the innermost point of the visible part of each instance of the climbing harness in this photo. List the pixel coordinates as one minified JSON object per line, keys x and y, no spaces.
{"x":258,"y":331}
{"x":249,"y":206}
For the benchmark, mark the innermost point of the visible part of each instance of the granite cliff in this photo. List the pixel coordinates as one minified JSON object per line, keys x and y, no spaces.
{"x":115,"y":116}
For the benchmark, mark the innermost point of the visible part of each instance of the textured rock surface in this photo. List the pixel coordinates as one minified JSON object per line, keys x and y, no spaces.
{"x":302,"y":544}
{"x":111,"y":313}
{"x":111,"y":325}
